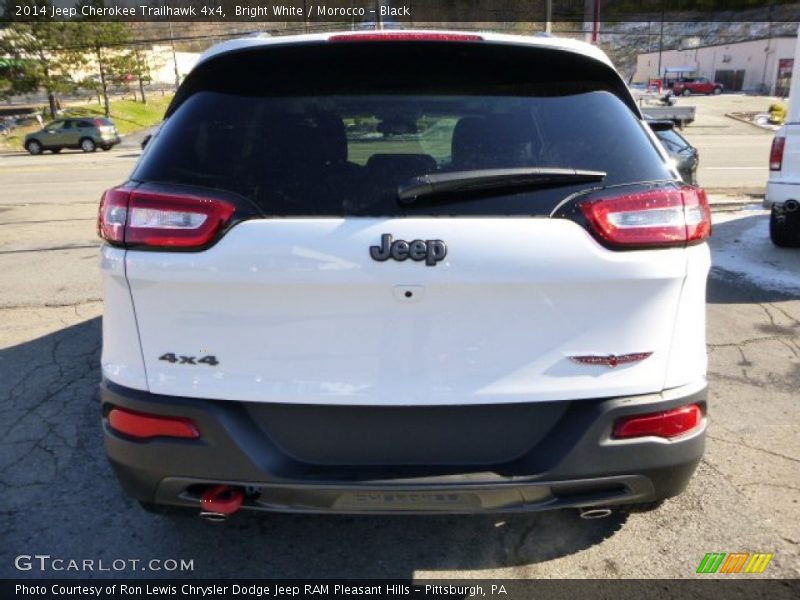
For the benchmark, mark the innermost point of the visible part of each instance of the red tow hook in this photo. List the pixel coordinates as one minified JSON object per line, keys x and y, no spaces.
{"x":220,"y":501}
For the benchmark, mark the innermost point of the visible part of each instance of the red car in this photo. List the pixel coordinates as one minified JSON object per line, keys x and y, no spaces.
{"x":696,"y":85}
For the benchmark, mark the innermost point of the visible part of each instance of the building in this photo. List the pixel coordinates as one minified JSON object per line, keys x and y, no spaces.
{"x":762,"y":66}
{"x":163,"y":63}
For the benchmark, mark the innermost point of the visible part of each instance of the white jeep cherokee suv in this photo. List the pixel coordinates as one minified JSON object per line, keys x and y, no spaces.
{"x":404,"y":271}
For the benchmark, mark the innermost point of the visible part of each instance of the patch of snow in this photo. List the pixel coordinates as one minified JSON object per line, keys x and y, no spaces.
{"x":741,"y":245}
{"x":762,"y":119}
{"x":744,"y":210}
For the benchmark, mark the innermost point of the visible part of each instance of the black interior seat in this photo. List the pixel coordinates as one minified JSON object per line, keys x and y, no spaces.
{"x":394,"y":169}
{"x":467,"y":143}
{"x":305,"y":157}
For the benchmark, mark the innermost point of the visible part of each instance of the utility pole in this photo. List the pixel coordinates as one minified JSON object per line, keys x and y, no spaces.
{"x":548,"y":16}
{"x":661,"y":40}
{"x":764,"y":87}
{"x":596,"y":22}
{"x":174,"y":58}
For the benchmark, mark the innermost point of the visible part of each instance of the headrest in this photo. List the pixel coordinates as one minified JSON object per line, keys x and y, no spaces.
{"x":311,"y":139}
{"x":323,"y":138}
{"x":466,"y":142}
{"x":494,"y":141}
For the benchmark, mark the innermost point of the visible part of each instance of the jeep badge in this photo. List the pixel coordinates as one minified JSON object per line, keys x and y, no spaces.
{"x":431,"y":251}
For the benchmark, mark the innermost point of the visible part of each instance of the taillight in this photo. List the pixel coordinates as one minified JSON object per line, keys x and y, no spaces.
{"x":161,"y":220}
{"x":666,"y":424}
{"x":698,"y":214}
{"x":144,"y":426}
{"x":164,"y":220}
{"x":652,"y":218}
{"x":112,"y":215}
{"x":776,"y":153}
{"x":405,"y":37}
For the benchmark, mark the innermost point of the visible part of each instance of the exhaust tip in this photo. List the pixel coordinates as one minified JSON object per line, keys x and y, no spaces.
{"x":213,"y":517}
{"x":791,"y":205}
{"x":220,"y":501}
{"x":600,"y":512}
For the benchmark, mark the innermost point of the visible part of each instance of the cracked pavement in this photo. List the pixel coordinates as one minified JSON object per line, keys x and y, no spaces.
{"x":61,"y":498}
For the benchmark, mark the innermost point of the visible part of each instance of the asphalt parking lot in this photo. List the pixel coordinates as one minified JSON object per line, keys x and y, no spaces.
{"x":734,"y":156}
{"x":61,"y":499}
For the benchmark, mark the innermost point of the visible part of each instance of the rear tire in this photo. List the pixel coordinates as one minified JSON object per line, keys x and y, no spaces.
{"x":687,"y":92}
{"x":717,"y":91}
{"x":784,"y":232}
{"x":88,"y":145}
{"x":34,"y":147}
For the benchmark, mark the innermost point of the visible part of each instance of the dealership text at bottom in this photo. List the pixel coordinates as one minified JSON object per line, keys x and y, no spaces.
{"x":257,"y":590}
{"x":46,"y":562}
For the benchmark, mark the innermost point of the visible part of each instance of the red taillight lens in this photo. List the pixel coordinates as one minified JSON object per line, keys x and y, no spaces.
{"x":652,"y":218}
{"x":776,"y":153}
{"x":143,"y":426}
{"x":161,"y":220}
{"x":174,"y":221}
{"x":698,"y":214}
{"x":405,"y":37}
{"x":113,"y":215}
{"x":668,"y":424}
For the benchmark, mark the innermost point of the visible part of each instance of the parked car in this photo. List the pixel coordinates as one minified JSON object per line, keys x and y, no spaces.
{"x":496,"y":302}
{"x":149,"y":135}
{"x":685,"y":157}
{"x":696,"y":85}
{"x":83,"y":133}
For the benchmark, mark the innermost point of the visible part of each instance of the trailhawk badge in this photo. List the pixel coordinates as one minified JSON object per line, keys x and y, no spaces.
{"x":611,"y":360}
{"x":431,"y":251}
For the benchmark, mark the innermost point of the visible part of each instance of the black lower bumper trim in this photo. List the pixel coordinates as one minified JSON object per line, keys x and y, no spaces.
{"x":572,"y":462}
{"x":413,"y":497}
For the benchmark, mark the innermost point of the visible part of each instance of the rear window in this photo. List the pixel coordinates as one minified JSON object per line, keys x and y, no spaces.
{"x":346,"y":154}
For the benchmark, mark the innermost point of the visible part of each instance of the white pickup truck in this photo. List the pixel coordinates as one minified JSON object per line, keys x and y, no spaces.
{"x":783,"y":187}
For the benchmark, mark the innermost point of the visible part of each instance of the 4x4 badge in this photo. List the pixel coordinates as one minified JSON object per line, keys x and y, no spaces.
{"x":431,"y":251}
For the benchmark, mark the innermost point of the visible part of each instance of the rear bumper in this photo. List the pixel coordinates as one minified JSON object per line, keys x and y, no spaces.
{"x":572,"y":462}
{"x":779,"y":192}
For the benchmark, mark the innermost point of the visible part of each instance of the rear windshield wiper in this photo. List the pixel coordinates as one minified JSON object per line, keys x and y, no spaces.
{"x":481,"y":181}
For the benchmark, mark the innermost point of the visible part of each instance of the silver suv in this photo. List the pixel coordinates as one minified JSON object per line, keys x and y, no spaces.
{"x":87,"y":134}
